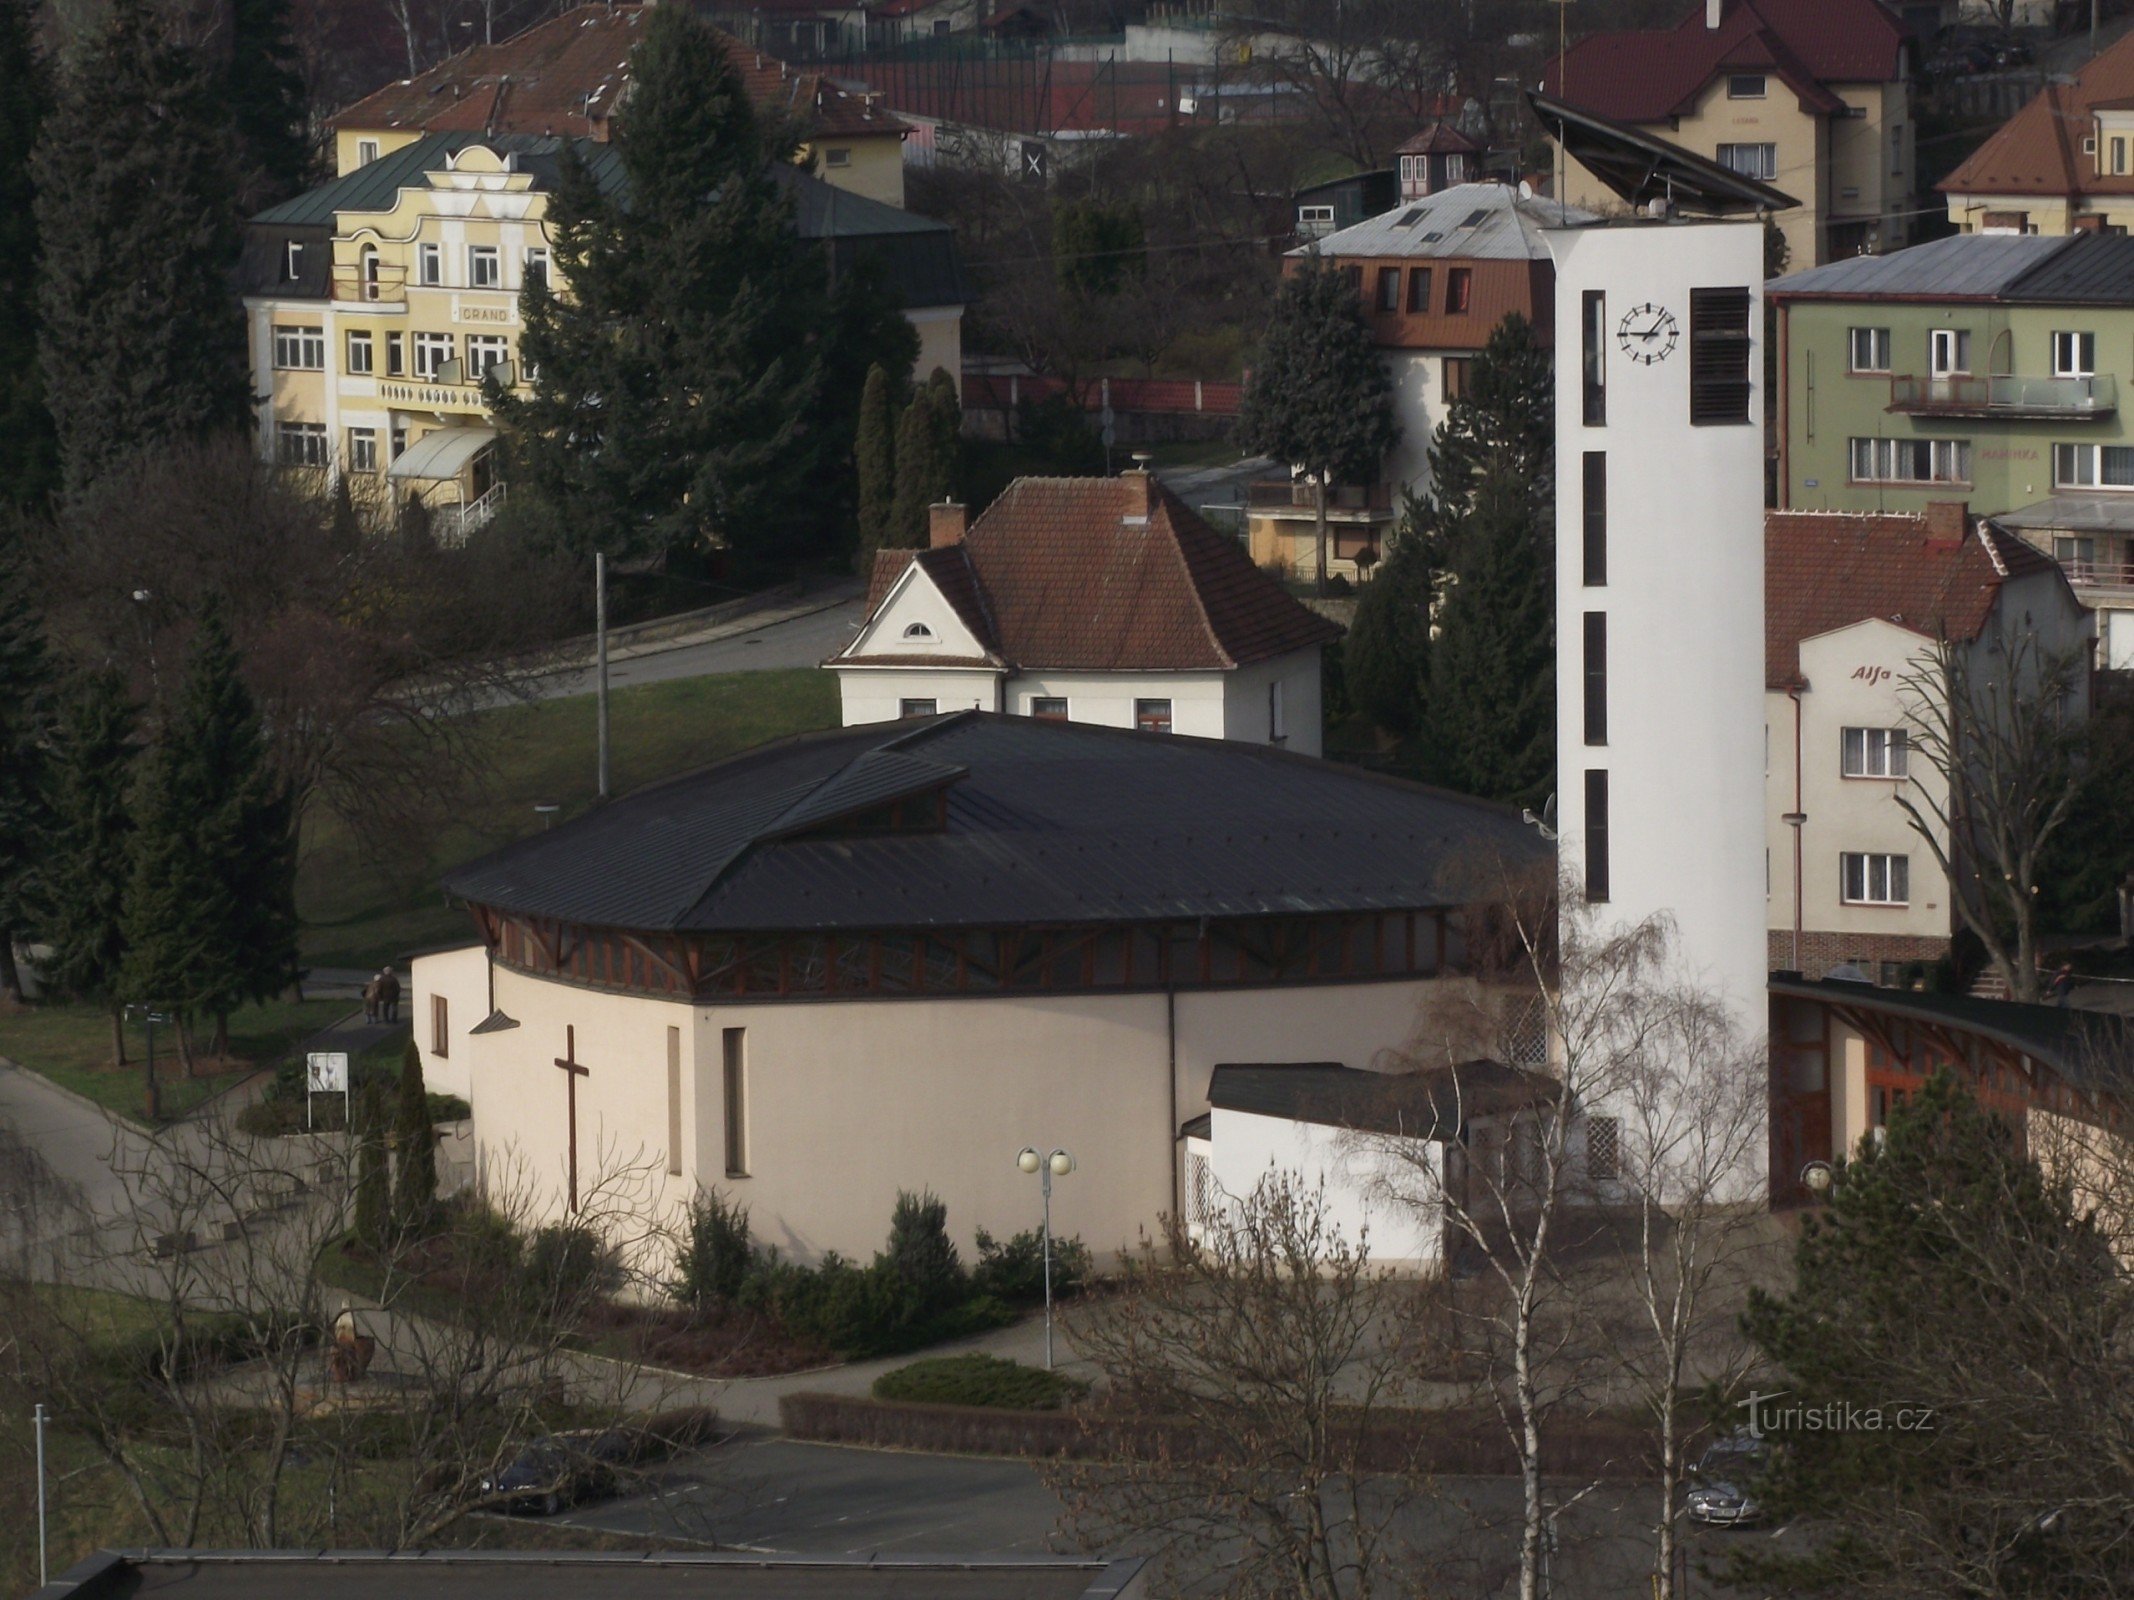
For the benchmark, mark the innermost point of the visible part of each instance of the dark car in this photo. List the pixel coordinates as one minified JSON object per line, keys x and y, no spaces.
{"x":1724,"y":1476}
{"x":562,"y":1469}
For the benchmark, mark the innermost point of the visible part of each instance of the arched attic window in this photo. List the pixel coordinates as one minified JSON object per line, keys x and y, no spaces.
{"x":918,"y":630}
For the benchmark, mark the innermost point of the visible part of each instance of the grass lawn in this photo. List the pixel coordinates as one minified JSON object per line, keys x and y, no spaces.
{"x":71,"y":1045}
{"x":359,"y":912}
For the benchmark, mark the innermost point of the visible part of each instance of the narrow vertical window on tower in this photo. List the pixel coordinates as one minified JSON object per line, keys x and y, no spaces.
{"x":1596,"y":836}
{"x":1596,"y":518}
{"x":734,"y":1048}
{"x":1596,"y":677}
{"x":1593,"y":336}
{"x":1718,"y":356}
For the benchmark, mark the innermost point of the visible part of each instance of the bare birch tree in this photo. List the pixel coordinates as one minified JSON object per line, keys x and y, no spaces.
{"x":1996,"y":725}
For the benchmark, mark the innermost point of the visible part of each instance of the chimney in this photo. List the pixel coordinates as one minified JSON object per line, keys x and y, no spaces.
{"x":1713,"y":12}
{"x":1948,"y":520}
{"x":1140,"y":487}
{"x":945,"y":524}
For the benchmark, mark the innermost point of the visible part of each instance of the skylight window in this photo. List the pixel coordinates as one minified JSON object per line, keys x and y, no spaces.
{"x":1410,"y":217}
{"x":1475,"y":217}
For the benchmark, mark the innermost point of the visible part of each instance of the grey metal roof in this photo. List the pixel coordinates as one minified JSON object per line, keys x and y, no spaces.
{"x":1467,"y":222}
{"x":2094,"y":269}
{"x":1046,"y":822}
{"x":1429,"y":1104}
{"x":1967,"y":266}
{"x":2074,"y":513}
{"x":376,"y":185}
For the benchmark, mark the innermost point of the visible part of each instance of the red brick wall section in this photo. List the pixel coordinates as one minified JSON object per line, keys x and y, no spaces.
{"x":1869,"y":951}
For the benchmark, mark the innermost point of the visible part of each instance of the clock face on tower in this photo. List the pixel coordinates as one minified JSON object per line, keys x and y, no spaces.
{"x":1648,"y":333}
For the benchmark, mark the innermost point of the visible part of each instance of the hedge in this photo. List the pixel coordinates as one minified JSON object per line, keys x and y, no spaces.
{"x":1450,"y":1443}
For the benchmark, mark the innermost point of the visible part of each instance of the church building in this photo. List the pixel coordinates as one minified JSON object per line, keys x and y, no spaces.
{"x":890,"y":956}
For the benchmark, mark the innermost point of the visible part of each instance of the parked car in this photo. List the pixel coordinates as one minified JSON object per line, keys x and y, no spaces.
{"x":1725,"y":1475}
{"x":562,"y":1469}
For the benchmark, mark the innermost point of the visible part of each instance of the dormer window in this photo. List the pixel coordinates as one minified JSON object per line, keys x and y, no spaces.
{"x":292,"y":262}
{"x":918,"y":630}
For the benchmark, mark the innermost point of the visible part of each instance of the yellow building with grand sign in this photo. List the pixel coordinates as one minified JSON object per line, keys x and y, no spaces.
{"x":376,"y":303}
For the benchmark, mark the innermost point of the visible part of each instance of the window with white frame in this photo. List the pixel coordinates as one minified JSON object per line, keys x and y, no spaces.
{"x":485,"y":350}
{"x":1750,"y":160}
{"x":1277,"y":713}
{"x":1315,"y":213}
{"x":1869,"y":879}
{"x":361,"y":355}
{"x":1877,"y":752}
{"x":398,"y":439}
{"x":485,"y":267}
{"x":300,"y":349}
{"x":1870,"y":349}
{"x":1152,"y":716}
{"x":396,"y":365}
{"x":366,"y":152}
{"x":2093,"y":466}
{"x":2074,"y":355}
{"x":916,"y":708}
{"x":300,"y":444}
{"x":1747,"y":86}
{"x":363,"y":449}
{"x":838,"y":157}
{"x":1050,"y":708}
{"x":1911,"y":461}
{"x":1949,"y":352}
{"x":535,"y":268}
{"x":432,"y":351}
{"x":430,"y":264}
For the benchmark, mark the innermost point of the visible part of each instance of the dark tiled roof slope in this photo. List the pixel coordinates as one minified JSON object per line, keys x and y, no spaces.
{"x":567,"y":76}
{"x":1066,"y":574}
{"x":1826,"y":570}
{"x":1650,"y":75}
{"x":2038,"y":150}
{"x":1047,"y":822}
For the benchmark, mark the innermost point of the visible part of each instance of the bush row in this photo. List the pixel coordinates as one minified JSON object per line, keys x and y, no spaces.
{"x":977,"y":1379}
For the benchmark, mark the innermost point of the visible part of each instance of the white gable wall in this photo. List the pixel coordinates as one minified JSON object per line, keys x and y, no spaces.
{"x":913,"y":601}
{"x":877,"y":694}
{"x":1356,"y":1177}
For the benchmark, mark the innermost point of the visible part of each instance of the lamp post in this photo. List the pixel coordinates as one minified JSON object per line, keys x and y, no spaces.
{"x":151,"y":1016}
{"x":1047,"y":1167}
{"x":43,"y":1572}
{"x":1819,"y":1178}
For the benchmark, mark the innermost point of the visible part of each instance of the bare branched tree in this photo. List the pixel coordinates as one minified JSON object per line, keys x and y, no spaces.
{"x":1995,"y":725}
{"x":1244,"y":1423}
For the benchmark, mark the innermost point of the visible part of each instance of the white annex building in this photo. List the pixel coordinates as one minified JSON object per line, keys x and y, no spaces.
{"x":890,"y":956}
{"x":1100,"y":600}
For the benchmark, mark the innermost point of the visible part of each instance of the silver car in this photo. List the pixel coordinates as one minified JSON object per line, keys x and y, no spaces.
{"x":1720,"y":1498}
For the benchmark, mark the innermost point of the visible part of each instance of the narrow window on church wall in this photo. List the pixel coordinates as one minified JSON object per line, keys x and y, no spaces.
{"x":735,"y":1043}
{"x":674,"y":1102}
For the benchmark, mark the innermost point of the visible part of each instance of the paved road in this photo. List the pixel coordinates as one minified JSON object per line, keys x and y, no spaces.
{"x":796,"y":642}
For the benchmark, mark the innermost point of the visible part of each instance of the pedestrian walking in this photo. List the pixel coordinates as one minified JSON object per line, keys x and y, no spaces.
{"x":370,"y":1001}
{"x":388,"y":996}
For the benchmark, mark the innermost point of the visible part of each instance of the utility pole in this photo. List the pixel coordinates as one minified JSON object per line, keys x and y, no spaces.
{"x":44,"y":1575}
{"x":600,"y":628}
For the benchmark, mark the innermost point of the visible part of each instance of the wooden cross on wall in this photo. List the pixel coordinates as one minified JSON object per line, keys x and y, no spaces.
{"x":572,"y":1072}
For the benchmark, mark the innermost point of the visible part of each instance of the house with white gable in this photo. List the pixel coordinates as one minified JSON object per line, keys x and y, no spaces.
{"x":1101,"y":600}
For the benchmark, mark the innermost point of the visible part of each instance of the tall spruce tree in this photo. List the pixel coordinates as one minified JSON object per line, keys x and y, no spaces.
{"x":1318,"y":397}
{"x":89,"y":848}
{"x":142,"y":340}
{"x":211,"y":914}
{"x":415,"y":1183}
{"x":1489,"y":521}
{"x":25,"y":718}
{"x":875,"y":456}
{"x":924,"y":476}
{"x":1385,"y":659}
{"x":29,"y":467}
{"x":267,"y":109}
{"x":862,"y":333}
{"x":677,"y":367}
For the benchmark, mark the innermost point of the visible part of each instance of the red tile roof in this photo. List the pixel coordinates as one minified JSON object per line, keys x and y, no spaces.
{"x":1825,"y":570}
{"x":566,"y":76}
{"x":2038,"y":150}
{"x":1650,"y":75}
{"x":1064,"y":574}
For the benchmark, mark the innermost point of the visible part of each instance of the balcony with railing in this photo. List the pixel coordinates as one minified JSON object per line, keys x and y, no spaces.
{"x":2100,"y":580}
{"x":1298,"y":497}
{"x":2009,"y":395}
{"x":371,"y":284}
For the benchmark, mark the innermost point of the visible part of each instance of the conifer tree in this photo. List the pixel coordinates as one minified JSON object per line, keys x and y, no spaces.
{"x":142,"y":339}
{"x":25,"y":713}
{"x":1318,"y":397}
{"x":89,"y":847}
{"x":922,"y":474}
{"x":28,"y":466}
{"x":676,"y":364}
{"x":1386,"y":657}
{"x":211,"y":915}
{"x":1491,"y":711}
{"x":266,"y":102}
{"x":874,"y":454}
{"x":415,"y":1184}
{"x":862,"y":330}
{"x":946,"y":407}
{"x":374,"y":1184}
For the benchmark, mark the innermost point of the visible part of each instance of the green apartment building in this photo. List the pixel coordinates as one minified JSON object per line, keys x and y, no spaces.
{"x":1986,"y":369}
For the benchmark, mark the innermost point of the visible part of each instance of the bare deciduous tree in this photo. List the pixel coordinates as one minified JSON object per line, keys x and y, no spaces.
{"x":1244,"y":1428}
{"x":1994,"y":723}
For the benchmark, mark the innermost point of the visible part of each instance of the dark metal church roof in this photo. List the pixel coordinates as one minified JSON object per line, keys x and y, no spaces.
{"x":1046,"y":822}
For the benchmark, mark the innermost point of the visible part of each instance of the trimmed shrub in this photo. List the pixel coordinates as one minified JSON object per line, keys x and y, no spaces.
{"x":713,"y":1263}
{"x":977,"y":1379}
{"x":1013,"y":1270}
{"x":565,"y":1265}
{"x":921,"y":1257}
